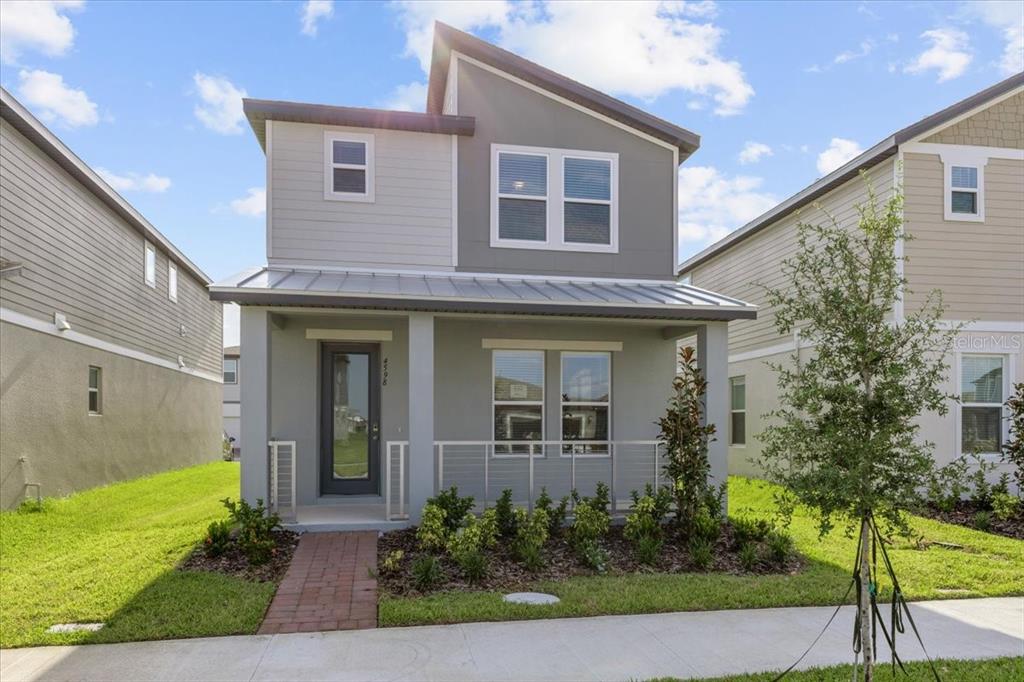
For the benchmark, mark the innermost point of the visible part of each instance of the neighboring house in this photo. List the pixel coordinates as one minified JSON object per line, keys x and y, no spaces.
{"x":481,"y":295}
{"x":109,"y":344}
{"x":962,"y":173}
{"x":232,"y":399}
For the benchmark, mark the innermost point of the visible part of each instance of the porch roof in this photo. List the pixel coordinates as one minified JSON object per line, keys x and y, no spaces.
{"x":478,"y":293}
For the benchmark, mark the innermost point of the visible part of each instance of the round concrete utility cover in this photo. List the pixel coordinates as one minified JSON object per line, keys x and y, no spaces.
{"x":531,"y":598}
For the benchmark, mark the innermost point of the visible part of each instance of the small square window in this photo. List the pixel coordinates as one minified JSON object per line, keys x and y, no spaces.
{"x":348,"y":172}
{"x":95,"y":390}
{"x":149,"y":265}
{"x":965,"y":192}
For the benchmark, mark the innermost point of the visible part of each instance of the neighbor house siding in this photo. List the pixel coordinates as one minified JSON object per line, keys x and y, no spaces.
{"x":81,"y":259}
{"x":408,"y":225}
{"x":1001,"y":125}
{"x":741,"y":271}
{"x":978,"y":266}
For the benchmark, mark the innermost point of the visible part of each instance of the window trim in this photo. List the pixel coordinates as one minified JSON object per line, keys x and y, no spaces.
{"x":584,"y":403}
{"x":732,"y":411}
{"x":331,"y":136}
{"x":1004,"y":425}
{"x":172,"y":281}
{"x":146,"y":249}
{"x":536,"y":450}
{"x":556,"y":199}
{"x":224,"y":370}
{"x":98,"y":390}
{"x":965,"y":159}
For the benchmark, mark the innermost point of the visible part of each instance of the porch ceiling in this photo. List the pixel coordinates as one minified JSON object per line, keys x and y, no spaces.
{"x":479,"y":293}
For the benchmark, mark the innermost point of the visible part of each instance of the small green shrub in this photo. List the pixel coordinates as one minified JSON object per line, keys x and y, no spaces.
{"x":218,"y":537}
{"x":746,"y":530}
{"x":748,"y":556}
{"x":531,"y":534}
{"x":644,"y":529}
{"x":389,"y":565}
{"x":588,"y":527}
{"x":556,"y":513}
{"x":593,"y":555}
{"x":433,"y":532}
{"x":255,"y":529}
{"x":983,"y":520}
{"x":648,"y":550}
{"x":426,"y":572}
{"x":948,"y":485}
{"x":455,"y":507}
{"x":780,"y":546}
{"x":468,"y":545}
{"x":1005,"y":506}
{"x":981,"y":493}
{"x":701,"y":553}
{"x":714,"y":500}
{"x":505,"y":511}
{"x":706,"y":526}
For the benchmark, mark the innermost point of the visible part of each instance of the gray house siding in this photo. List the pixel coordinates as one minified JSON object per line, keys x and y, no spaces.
{"x":508,"y":113}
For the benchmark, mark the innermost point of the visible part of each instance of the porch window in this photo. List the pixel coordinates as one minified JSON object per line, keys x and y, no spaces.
{"x":348,"y":172}
{"x":738,"y":411}
{"x":518,"y":379}
{"x":586,"y":402}
{"x":981,"y":408}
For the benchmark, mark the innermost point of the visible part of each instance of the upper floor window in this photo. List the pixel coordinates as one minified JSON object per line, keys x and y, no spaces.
{"x":230,"y":370}
{"x":964,"y":184}
{"x":555,"y":199}
{"x":149,"y":265}
{"x":348,"y":167}
{"x":172,"y":281}
{"x":963,"y":187}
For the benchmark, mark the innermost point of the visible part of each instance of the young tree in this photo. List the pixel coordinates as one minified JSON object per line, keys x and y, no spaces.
{"x":1013,"y":450}
{"x":845,"y":440}
{"x":686,"y":440}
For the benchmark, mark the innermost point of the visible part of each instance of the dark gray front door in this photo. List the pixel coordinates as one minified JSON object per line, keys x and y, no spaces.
{"x":349,"y":419}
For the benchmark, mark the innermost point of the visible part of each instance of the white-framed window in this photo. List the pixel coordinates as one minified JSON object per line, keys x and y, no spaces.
{"x":95,"y":390}
{"x":555,"y":199}
{"x":738,"y":411}
{"x":586,"y":390}
{"x":964,"y":185}
{"x":348,"y":166}
{"x":172,"y":282}
{"x":518,"y":401}
{"x":982,"y":392}
{"x":149,"y":264}
{"x":230,"y":370}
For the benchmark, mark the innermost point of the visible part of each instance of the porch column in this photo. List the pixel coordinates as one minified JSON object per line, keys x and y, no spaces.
{"x":713,"y":360}
{"x":421,"y":412}
{"x":254,"y":374}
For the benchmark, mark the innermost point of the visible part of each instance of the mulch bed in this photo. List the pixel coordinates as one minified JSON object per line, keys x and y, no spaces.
{"x":963,"y":515}
{"x":561,"y":563}
{"x":234,"y":563}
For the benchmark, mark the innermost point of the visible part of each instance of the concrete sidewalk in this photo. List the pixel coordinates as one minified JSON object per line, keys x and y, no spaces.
{"x":699,"y":644}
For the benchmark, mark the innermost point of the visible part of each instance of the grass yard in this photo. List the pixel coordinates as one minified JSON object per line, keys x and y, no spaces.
{"x":108,"y":555}
{"x":993,"y":670}
{"x":350,"y":459}
{"x":987,"y":565}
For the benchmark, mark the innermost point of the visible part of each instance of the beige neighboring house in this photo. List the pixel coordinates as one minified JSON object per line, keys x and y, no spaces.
{"x":962,"y":171}
{"x":110,"y":348}
{"x":233,"y":398}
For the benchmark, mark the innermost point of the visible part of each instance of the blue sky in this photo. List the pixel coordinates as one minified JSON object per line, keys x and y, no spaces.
{"x":779,"y":91}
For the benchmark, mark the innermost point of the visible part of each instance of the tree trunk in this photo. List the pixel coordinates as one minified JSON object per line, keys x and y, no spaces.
{"x":867,"y":649}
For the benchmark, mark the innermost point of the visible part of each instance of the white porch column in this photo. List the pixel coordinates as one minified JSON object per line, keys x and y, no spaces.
{"x":254,"y":375}
{"x":421,"y":412}
{"x":713,"y":360}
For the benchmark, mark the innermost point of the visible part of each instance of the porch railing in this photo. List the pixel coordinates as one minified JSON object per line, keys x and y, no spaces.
{"x":396,"y":460}
{"x":283,"y":462}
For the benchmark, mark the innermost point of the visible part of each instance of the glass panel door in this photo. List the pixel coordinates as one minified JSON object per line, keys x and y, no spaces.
{"x":349,"y":421}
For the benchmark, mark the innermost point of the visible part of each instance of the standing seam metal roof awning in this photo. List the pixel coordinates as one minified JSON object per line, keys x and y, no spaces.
{"x":479,"y":293}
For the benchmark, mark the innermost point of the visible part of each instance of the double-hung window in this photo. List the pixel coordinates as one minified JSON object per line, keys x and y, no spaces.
{"x":586,"y":401}
{"x":230,"y":370}
{"x":518,"y":394}
{"x":95,"y":390}
{"x":149,"y":264}
{"x":963,"y":188}
{"x":555,"y":199}
{"x":348,"y":168}
{"x":981,"y":403}
{"x":738,"y":411}
{"x":964,"y":184}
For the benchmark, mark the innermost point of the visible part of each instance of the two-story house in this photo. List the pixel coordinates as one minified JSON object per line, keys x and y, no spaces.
{"x":961,"y":171}
{"x":110,"y":347}
{"x":481,"y":295}
{"x":232,"y":408}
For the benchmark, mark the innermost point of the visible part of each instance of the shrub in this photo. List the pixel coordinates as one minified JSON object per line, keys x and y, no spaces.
{"x":714,"y":500}
{"x":746,"y":530}
{"x":433,"y":532}
{"x":255,"y":529}
{"x":426,"y":572}
{"x":455,"y":507}
{"x":218,"y":536}
{"x":593,"y":555}
{"x":700,"y":552}
{"x":706,"y":526}
{"x":981,"y":495}
{"x":391,"y":562}
{"x":556,"y":513}
{"x":1013,"y":450}
{"x":1005,"y":506}
{"x":648,"y":550}
{"x":467,"y":545}
{"x":661,"y":496}
{"x":983,"y":520}
{"x":588,"y":527}
{"x":748,"y":556}
{"x":780,"y":546}
{"x":505,"y":512}
{"x":948,"y":484}
{"x":643,"y":528}
{"x":531,"y":534}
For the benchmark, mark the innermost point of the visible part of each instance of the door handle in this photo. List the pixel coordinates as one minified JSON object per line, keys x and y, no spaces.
{"x":375,"y":430}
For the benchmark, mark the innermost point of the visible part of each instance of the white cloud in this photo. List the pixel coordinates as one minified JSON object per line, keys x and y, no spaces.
{"x":312,"y":12}
{"x":839,"y":152}
{"x":753,"y":152}
{"x":55,"y":101}
{"x":948,"y":54}
{"x":408,"y":97}
{"x":864,"y":49}
{"x":221,"y":106}
{"x":135,"y":182}
{"x":254,"y":203}
{"x":641,"y":49}
{"x":1007,"y":17}
{"x":711,"y":205}
{"x":40,"y":26}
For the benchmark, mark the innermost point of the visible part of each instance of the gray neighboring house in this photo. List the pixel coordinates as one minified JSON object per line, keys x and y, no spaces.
{"x":481,"y":295}
{"x":110,"y":348}
{"x":233,"y":398}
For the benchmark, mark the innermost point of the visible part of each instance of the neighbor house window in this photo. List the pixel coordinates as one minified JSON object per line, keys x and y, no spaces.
{"x":149,"y":264}
{"x":230,"y":370}
{"x":738,"y":411}
{"x":348,"y":172}
{"x":172,"y":281}
{"x":557,"y":199}
{"x":963,"y":190}
{"x":964,"y":184}
{"x":95,"y":390}
{"x":586,"y":401}
{"x":518,"y":378}
{"x":981,"y":403}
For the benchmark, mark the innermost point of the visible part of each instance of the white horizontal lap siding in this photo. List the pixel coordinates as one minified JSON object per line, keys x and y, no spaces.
{"x":409,"y":222}
{"x":979,"y":267}
{"x":757,"y":260}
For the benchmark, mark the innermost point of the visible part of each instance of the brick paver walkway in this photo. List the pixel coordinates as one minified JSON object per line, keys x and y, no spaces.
{"x":328,"y":585}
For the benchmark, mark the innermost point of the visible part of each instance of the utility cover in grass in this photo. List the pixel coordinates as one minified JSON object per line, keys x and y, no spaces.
{"x":531,"y":598}
{"x":74,"y":627}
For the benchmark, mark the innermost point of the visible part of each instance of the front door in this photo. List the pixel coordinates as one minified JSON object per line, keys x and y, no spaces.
{"x":349,"y":419}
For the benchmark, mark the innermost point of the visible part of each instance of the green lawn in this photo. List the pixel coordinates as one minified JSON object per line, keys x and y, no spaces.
{"x":350,"y":460}
{"x":108,"y":555}
{"x":988,"y":565}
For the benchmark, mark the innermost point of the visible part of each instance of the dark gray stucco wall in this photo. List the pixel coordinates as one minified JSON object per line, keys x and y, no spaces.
{"x":507,"y":113}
